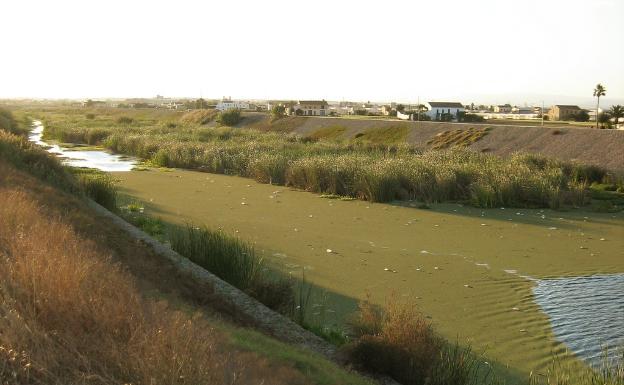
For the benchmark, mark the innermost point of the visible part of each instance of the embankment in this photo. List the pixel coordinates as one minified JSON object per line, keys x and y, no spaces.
{"x":598,"y":147}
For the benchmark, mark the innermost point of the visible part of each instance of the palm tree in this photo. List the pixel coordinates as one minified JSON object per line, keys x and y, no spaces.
{"x":616,"y":112}
{"x":598,"y":92}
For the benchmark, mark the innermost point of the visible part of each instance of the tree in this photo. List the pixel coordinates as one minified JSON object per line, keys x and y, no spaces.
{"x":617,"y":112}
{"x":605,"y":119}
{"x":400,"y":108}
{"x":581,"y":116}
{"x":278,"y":111}
{"x":598,"y":92}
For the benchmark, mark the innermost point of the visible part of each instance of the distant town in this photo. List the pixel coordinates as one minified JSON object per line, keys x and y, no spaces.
{"x":444,"y":111}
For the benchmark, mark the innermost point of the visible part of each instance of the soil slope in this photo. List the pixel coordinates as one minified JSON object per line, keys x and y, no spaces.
{"x":598,"y":147}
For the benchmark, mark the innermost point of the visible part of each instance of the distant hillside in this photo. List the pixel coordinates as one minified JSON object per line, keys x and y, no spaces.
{"x":599,"y":147}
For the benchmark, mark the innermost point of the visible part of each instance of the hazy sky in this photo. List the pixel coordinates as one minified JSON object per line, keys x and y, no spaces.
{"x":374,"y":50}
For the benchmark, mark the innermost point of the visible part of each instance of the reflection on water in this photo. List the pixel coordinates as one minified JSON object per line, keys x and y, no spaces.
{"x":586,"y":313}
{"x":100,"y":160}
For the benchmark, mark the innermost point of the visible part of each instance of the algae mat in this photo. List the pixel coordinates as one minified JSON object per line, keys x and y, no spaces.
{"x":466,"y":268}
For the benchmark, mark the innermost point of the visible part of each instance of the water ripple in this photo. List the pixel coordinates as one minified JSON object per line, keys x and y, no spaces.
{"x":586,"y":313}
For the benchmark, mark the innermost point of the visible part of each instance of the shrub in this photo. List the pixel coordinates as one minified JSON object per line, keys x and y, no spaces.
{"x":402,"y":343}
{"x":90,"y":116}
{"x":399,"y":342}
{"x":124,"y":120}
{"x":230,"y":117}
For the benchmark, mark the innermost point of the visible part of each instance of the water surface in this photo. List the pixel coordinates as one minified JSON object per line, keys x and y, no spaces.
{"x":586,"y":313}
{"x":100,"y":160}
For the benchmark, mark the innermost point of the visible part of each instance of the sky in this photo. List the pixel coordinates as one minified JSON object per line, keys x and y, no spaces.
{"x":491,"y":51}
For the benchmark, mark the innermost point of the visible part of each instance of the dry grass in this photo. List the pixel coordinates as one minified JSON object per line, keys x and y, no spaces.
{"x":398,"y":342}
{"x":457,"y":138}
{"x":199,"y":116}
{"x":70,"y":315}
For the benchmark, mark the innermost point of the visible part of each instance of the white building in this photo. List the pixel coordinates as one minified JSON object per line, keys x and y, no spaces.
{"x":437,"y":109}
{"x":311,"y":108}
{"x":229,"y":104}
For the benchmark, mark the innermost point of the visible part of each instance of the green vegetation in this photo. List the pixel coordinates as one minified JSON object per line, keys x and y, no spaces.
{"x":228,"y":258}
{"x":375,"y":166}
{"x":385,"y":135}
{"x":229,"y":117}
{"x":98,"y":186}
{"x":457,"y":138}
{"x":334,"y":132}
{"x":599,"y":91}
{"x":201,"y":117}
{"x":400,"y":342}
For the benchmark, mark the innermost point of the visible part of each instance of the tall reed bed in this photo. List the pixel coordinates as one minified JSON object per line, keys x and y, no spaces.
{"x":227,"y":257}
{"x":361,"y":169}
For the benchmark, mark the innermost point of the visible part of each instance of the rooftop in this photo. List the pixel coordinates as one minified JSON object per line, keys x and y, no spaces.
{"x":446,"y":104}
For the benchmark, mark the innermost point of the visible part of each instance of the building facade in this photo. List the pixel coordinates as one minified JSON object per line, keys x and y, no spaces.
{"x":436,"y":110}
{"x":229,"y":104}
{"x":311,"y":108}
{"x":562,"y":112}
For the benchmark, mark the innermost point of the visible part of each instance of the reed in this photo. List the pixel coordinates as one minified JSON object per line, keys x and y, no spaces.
{"x":378,"y":167}
{"x":227,"y":257}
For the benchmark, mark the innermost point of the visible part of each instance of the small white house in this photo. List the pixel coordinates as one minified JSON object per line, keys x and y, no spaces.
{"x":229,"y":104}
{"x":436,"y":110}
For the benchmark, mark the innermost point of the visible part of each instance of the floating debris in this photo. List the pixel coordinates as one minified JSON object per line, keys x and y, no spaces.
{"x":552,"y":228}
{"x":329,"y":251}
{"x":243,"y":203}
{"x":584,"y":247}
{"x":468,"y":286}
{"x":436,"y":268}
{"x":602,"y":239}
{"x":310,"y":216}
{"x":515,"y":309}
{"x":483,"y":224}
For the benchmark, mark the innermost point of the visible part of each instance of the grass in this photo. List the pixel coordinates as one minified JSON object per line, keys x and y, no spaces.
{"x":384,"y":135}
{"x":334,"y":132}
{"x":457,"y":138}
{"x":398,"y":341}
{"x":201,"y":116}
{"x":81,"y":314}
{"x":227,"y":257}
{"x":77,"y":317}
{"x":377,"y":166}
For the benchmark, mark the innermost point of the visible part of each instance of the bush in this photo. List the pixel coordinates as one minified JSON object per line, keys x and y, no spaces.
{"x":471,"y":118}
{"x":99,"y":187}
{"x":230,"y":117}
{"x":398,"y":342}
{"x":124,"y":120}
{"x":90,"y":116}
